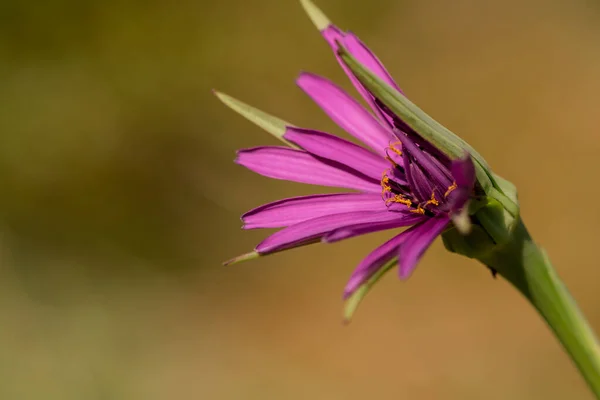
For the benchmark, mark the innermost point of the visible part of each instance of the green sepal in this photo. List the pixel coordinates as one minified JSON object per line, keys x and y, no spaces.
{"x":474,"y":245}
{"x":431,"y":130}
{"x":243,"y":257}
{"x":352,"y":302}
{"x":275,"y":126}
{"x":505,"y":193}
{"x":496,"y":221}
{"x":508,"y":188}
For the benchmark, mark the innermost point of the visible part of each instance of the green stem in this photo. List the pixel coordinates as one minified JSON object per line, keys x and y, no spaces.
{"x":528,"y":268}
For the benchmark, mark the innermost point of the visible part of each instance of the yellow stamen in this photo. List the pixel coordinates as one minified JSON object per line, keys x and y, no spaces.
{"x":398,"y":198}
{"x":385,"y":183}
{"x":394,"y":198}
{"x":418,"y":210}
{"x":432,"y":200}
{"x":450,"y":189}
{"x":393,"y":148}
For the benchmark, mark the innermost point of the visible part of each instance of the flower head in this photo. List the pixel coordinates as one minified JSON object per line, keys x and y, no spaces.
{"x":399,"y":178}
{"x":399,"y":183}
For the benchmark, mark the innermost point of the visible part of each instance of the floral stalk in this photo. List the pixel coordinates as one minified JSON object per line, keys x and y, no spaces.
{"x":527,"y":267}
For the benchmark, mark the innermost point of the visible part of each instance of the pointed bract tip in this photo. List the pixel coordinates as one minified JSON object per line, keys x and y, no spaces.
{"x":244,"y":257}
{"x":352,"y":300}
{"x":354,"y":295}
{"x":315,"y":14}
{"x":275,"y":126}
{"x":225,"y":98}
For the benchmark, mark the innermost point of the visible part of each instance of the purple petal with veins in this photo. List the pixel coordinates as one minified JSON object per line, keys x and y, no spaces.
{"x":299,"y":166}
{"x":417,"y":242}
{"x":346,"y":112}
{"x":339,"y":150}
{"x":333,"y":35}
{"x":298,"y":209}
{"x":297,"y":234}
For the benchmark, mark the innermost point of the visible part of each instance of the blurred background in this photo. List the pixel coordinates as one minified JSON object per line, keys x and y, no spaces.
{"x":120,"y":200}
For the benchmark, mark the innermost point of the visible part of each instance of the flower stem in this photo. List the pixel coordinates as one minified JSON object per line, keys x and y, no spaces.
{"x":528,"y":268}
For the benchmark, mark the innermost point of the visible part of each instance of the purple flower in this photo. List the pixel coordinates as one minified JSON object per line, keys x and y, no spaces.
{"x":398,"y":178}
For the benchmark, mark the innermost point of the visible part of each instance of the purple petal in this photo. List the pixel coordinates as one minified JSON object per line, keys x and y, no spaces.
{"x":400,"y":220}
{"x":362,"y":53}
{"x":346,"y":112}
{"x":314,"y":229}
{"x":401,"y":129}
{"x":417,"y":241}
{"x":463,"y":172}
{"x":299,"y":166}
{"x":375,"y":260}
{"x":424,"y":173}
{"x":421,"y":184}
{"x":297,"y":209}
{"x":334,"y":148}
{"x":398,"y":175}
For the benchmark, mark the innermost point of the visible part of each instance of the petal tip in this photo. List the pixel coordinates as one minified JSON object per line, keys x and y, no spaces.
{"x":318,"y":18}
{"x":404,"y":274}
{"x":404,"y":277}
{"x":236,"y":159}
{"x":305,"y":77}
{"x":244,"y":257}
{"x":347,"y":293}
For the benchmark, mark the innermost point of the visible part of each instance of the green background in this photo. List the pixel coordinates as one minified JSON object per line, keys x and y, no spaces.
{"x":120,"y":200}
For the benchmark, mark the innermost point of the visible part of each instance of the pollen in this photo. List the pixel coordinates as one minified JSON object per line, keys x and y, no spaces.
{"x":385,"y":183}
{"x":399,"y":199}
{"x":393,"y":197}
{"x":433,"y":200}
{"x":418,"y":210}
{"x":450,"y":189}
{"x":393,"y":148}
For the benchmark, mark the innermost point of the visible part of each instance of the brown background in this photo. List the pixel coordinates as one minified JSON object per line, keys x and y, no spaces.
{"x":120,"y":200}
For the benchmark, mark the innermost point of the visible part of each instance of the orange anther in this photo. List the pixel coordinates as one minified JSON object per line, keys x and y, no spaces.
{"x":393,"y":147}
{"x":450,"y":189}
{"x":432,"y":200}
{"x":418,"y":210}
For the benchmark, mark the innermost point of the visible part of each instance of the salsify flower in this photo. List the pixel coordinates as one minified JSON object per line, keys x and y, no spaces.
{"x":410,"y":172}
{"x":402,"y":179}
